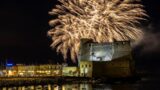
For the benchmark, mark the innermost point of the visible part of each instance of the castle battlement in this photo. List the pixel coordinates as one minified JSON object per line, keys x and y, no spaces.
{"x":94,"y":51}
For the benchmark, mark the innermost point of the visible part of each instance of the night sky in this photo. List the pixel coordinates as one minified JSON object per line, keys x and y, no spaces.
{"x":23,"y":31}
{"x":24,"y":26}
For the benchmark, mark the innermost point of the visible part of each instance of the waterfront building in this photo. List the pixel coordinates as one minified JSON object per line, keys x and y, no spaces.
{"x":85,"y":68}
{"x":36,"y":70}
{"x":21,"y":69}
{"x":105,"y":59}
{"x":2,"y":69}
{"x":70,"y":71}
{"x":49,"y":70}
{"x":30,"y":70}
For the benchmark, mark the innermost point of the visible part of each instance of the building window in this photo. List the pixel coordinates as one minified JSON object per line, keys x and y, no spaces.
{"x":56,"y":67}
{"x":82,"y":66}
{"x":86,"y":65}
{"x":89,"y":65}
{"x":89,"y":44}
{"x":59,"y":67}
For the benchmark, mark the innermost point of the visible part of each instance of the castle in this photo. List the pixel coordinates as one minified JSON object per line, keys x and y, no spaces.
{"x":105,"y":59}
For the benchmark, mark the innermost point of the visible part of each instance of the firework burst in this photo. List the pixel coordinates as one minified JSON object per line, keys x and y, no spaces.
{"x":99,"y":20}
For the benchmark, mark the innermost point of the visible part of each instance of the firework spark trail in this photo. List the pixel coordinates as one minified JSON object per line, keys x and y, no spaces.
{"x":99,"y":20}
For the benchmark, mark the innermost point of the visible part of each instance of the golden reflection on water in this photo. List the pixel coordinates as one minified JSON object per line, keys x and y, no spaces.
{"x":52,"y":87}
{"x":73,"y":87}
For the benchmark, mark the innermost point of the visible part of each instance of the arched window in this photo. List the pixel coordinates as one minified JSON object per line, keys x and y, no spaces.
{"x":86,"y":65}
{"x":82,"y":66}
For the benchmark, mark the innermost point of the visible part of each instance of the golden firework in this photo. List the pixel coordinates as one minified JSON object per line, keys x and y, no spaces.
{"x":99,"y":20}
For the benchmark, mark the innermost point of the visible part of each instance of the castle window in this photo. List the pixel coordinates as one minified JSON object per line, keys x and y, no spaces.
{"x":89,"y":44}
{"x":82,"y":66}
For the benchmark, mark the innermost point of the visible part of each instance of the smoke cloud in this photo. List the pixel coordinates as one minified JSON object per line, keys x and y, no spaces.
{"x":151,"y":40}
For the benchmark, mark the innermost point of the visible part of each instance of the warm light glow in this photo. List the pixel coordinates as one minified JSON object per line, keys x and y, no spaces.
{"x":99,"y":20}
{"x":21,"y":74}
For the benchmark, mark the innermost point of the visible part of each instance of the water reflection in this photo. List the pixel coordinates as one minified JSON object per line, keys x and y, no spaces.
{"x":53,"y":87}
{"x":77,"y":87}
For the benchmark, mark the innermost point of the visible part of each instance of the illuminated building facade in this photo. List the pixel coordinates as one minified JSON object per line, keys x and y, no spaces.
{"x":70,"y":71}
{"x":10,"y":69}
{"x":105,"y":59}
{"x":90,"y":51}
{"x":35,"y":70}
{"x":85,"y":68}
{"x":21,"y":70}
{"x":54,"y":70}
